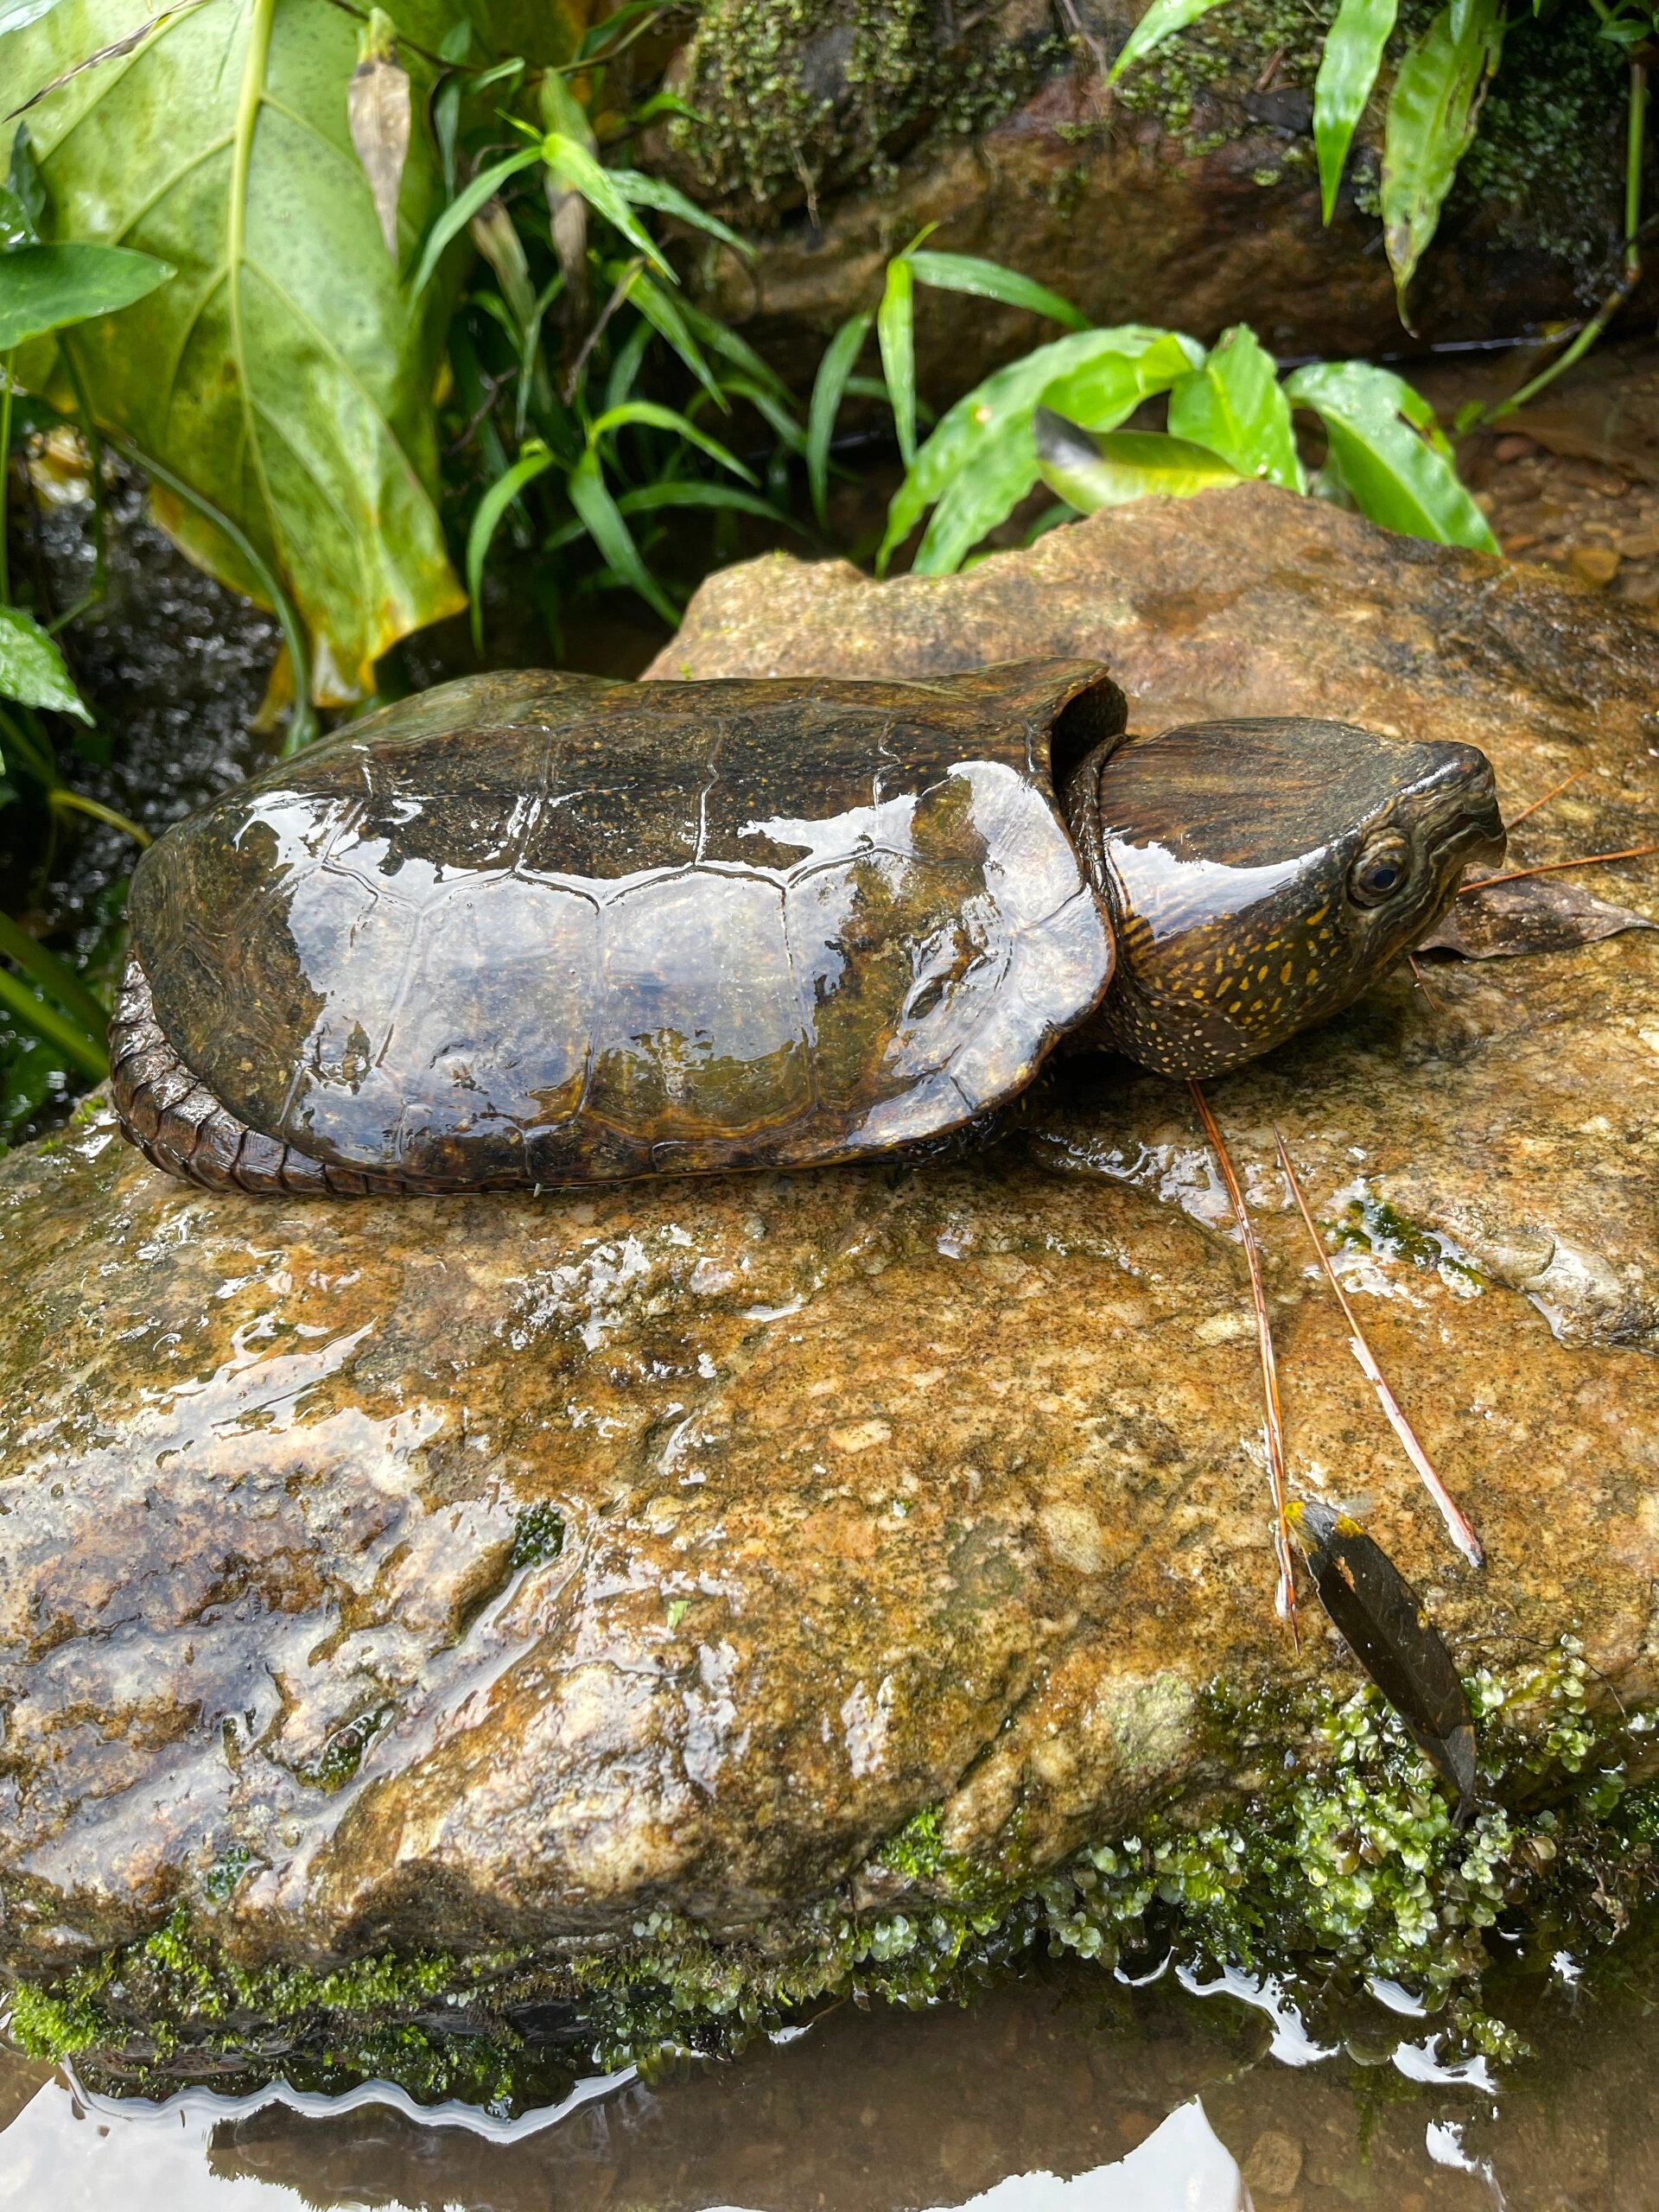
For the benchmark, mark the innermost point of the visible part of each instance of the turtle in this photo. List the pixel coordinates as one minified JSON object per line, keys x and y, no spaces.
{"x":533,"y":929}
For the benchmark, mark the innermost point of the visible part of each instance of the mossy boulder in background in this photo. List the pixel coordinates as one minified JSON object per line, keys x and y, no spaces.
{"x":1186,"y":196}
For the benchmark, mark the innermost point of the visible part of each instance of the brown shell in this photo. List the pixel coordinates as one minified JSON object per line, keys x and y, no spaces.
{"x":542,"y":929}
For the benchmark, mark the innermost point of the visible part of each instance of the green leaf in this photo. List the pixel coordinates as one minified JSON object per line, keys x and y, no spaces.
{"x":829,"y":387}
{"x":719,"y":338}
{"x":31,"y":667}
{"x":53,"y":976}
{"x":1347,"y":67}
{"x":1395,"y":476}
{"x":1108,"y":385}
{"x":642,"y":191}
{"x":283,"y":376}
{"x":1234,"y":404}
{"x":603,"y":521}
{"x":572,"y":168}
{"x":980,"y":461}
{"x":688,"y":491}
{"x":460,"y":212}
{"x":989,"y":280}
{"x":895,"y":329}
{"x":667,"y":318}
{"x":532,"y":462}
{"x":1431,"y":122}
{"x":1091,"y":469}
{"x":765,"y":402}
{"x":47,"y":288}
{"x":80,"y":1047}
{"x":649,"y":415}
{"x":1161,"y":21}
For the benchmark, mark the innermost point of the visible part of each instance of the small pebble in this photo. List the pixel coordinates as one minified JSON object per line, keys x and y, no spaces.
{"x":1274,"y":2164}
{"x":1597,"y":564}
{"x":1513,"y":447}
{"x":1521,"y":543}
{"x":1639,"y":544}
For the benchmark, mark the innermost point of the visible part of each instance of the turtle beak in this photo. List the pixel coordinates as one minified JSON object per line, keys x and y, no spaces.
{"x":1469,"y":830}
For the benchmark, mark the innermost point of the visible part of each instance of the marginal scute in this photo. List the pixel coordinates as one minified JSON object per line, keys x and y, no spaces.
{"x":534,"y":930}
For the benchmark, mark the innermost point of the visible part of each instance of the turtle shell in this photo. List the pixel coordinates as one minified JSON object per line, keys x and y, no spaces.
{"x":543,"y":929}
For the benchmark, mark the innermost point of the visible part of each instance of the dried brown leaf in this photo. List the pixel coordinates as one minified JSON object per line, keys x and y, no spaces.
{"x":1387,"y":1627}
{"x":377,"y":106}
{"x":1500,"y":921}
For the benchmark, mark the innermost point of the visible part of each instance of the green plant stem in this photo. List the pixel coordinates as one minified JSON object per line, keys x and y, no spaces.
{"x":22,"y":738}
{"x":303,"y":722}
{"x":89,"y":431}
{"x":76,"y":1044}
{"x":79,"y":801}
{"x":5,"y":476}
{"x":54,"y":976}
{"x":1635,"y":134}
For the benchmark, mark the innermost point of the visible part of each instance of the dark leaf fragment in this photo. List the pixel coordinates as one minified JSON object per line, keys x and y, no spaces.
{"x":1539,"y":913}
{"x":1387,"y":1627}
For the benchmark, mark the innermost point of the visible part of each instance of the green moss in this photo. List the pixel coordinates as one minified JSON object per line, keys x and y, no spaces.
{"x":1373,"y":1225}
{"x":537,"y":1536}
{"x":791,"y":96}
{"x":1345,"y":1865}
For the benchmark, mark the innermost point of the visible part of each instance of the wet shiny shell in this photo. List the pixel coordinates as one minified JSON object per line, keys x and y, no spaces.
{"x":544,"y":929}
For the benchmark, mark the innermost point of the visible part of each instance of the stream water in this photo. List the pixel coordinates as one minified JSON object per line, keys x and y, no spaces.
{"x":1067,"y":2091}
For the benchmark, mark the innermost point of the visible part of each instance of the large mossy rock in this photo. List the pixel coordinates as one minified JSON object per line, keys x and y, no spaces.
{"x":1188,"y":196}
{"x":596,"y":1577}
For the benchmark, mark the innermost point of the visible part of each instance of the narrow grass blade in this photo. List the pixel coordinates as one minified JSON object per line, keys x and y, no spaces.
{"x":1456,"y":1527}
{"x":829,"y":387}
{"x":989,"y":280}
{"x":81,"y":1048}
{"x":647,"y":415}
{"x":54,"y":976}
{"x":1161,"y":21}
{"x":1272,"y":1419}
{"x":461,"y":211}
{"x":591,"y":498}
{"x":895,"y":326}
{"x":534,"y":460}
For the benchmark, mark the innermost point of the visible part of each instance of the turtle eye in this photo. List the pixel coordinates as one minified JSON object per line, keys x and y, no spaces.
{"x":1379,"y":872}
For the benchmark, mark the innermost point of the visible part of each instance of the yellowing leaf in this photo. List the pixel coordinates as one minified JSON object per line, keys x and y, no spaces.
{"x":1092,"y":469}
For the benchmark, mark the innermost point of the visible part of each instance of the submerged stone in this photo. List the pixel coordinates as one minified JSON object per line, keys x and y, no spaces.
{"x":649,"y":1606}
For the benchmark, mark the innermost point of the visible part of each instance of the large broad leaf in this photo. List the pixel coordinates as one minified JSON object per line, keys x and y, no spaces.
{"x":981,"y":461}
{"x":1347,"y":67}
{"x":1432,"y":114}
{"x":47,"y":288}
{"x":283,"y":375}
{"x":1092,"y":469}
{"x":1235,"y":405}
{"x":1397,"y":477}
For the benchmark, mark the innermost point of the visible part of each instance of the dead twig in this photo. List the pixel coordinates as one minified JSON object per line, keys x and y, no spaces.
{"x":1273,"y":1422}
{"x":1422,"y":982}
{"x":1456,"y":1527}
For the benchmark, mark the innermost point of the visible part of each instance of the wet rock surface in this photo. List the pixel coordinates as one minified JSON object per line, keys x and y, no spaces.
{"x":460,"y":1572}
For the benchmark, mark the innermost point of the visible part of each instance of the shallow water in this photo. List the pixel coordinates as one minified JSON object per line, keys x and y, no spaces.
{"x":1066,"y":2092}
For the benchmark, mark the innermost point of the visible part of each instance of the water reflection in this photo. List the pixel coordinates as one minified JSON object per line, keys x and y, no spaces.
{"x":1066,"y":2093}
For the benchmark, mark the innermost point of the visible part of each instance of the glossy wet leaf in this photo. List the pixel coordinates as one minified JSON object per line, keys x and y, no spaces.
{"x":1161,"y":21}
{"x":989,"y":280}
{"x":1347,"y":67}
{"x":839,"y":357}
{"x":31,"y":667}
{"x":1431,"y":124}
{"x":1235,"y":406}
{"x":1539,"y":914}
{"x":981,"y":460}
{"x":1388,"y":455}
{"x":283,"y":376}
{"x":377,"y":106}
{"x":1387,"y":1627}
{"x":48,"y":288}
{"x":1092,"y":469}
{"x":895,"y":331}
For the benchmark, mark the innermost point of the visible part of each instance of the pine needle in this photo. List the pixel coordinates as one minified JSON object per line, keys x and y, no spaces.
{"x":1422,"y":982}
{"x":1273,"y":1423}
{"x":1456,"y":1526}
{"x":1565,"y":783}
{"x":1551,"y":867}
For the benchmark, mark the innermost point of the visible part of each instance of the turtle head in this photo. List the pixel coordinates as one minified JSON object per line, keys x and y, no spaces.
{"x":1261,"y":873}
